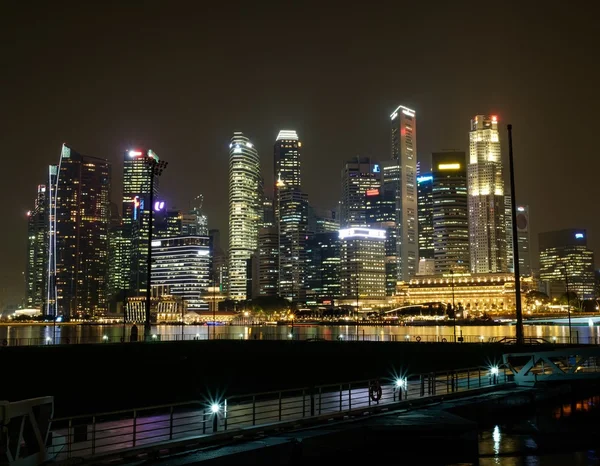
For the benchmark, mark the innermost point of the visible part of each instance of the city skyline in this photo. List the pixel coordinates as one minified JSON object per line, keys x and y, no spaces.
{"x":317,"y":105}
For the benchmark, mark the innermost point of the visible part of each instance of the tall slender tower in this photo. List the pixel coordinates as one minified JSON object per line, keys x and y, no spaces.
{"x":245,"y":211}
{"x":291,"y":214}
{"x":360,"y":177}
{"x":80,"y":213}
{"x":487,"y":229}
{"x":401,"y":173}
{"x":37,"y":250}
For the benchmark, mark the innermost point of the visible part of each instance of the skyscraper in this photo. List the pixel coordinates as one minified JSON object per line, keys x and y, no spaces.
{"x":116,"y":280}
{"x":425,"y":215}
{"x":219,"y":276}
{"x":245,"y":211}
{"x":291,"y":214}
{"x":136,"y":216}
{"x":359,"y":176}
{"x":268,"y":261}
{"x":450,"y":212}
{"x":487,"y":229}
{"x":37,"y":251}
{"x":522,"y":237}
{"x":324,"y":268}
{"x":80,"y":215}
{"x":566,"y":263}
{"x":401,"y":174}
{"x":322,"y":221}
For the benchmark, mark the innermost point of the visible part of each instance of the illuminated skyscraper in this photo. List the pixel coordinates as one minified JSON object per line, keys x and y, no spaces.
{"x":116,"y":280}
{"x":401,"y":175}
{"x":522,"y":237}
{"x":323,"y":255}
{"x":425,"y":215}
{"x":268,"y":261}
{"x":450,"y":212}
{"x":322,"y":221}
{"x":245,"y":211}
{"x":291,"y":213}
{"x":566,"y":263}
{"x":80,"y":214}
{"x":487,"y":229}
{"x":359,"y":177}
{"x":136,"y":210}
{"x":37,"y":251}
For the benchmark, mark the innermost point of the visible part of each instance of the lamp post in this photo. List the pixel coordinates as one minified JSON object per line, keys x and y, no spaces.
{"x":453,"y":305}
{"x":513,"y":202}
{"x":155,"y":168}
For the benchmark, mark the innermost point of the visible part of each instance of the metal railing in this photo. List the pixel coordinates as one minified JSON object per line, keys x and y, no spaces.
{"x":299,"y":334}
{"x":118,"y":431}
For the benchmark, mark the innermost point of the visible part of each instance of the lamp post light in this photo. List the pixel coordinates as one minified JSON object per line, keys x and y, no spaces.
{"x":155,"y":168}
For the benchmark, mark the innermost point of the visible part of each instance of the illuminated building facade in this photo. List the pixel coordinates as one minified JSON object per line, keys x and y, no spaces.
{"x":324,"y":258}
{"x":245,"y":211}
{"x":359,"y":177}
{"x":522,"y":238}
{"x":425,"y":215}
{"x":487,"y":228}
{"x":291,"y":213}
{"x":322,"y":220}
{"x":450,"y":212}
{"x":219,"y":262}
{"x":566,"y":262}
{"x":80,"y":215}
{"x":268,"y":261}
{"x":169,"y":223}
{"x":181,"y":267}
{"x":473,"y":293}
{"x":362,"y":253}
{"x":116,"y":283}
{"x":164,"y":308}
{"x":402,"y":175}
{"x":136,"y":216}
{"x":37,"y":251}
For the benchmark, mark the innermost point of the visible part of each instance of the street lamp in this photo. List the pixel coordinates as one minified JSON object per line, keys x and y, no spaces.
{"x":155,"y":168}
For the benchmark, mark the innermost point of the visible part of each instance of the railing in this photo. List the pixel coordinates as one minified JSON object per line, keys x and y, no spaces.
{"x":299,"y":334}
{"x":114,"y":432}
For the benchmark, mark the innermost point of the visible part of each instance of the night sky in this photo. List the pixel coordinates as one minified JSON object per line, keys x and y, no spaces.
{"x":180,"y":77}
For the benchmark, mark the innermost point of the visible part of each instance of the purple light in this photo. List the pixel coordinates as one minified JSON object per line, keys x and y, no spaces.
{"x":159,"y":205}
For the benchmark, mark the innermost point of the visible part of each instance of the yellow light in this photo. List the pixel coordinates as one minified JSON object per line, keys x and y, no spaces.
{"x":449,"y":166}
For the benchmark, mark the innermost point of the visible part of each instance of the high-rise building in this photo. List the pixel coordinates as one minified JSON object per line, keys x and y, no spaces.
{"x":80,"y":215}
{"x":322,"y":221}
{"x":116,"y":283}
{"x":268,"y":261}
{"x":136,"y":217}
{"x":37,"y":251}
{"x":219,"y":276}
{"x":291,"y":213}
{"x":245,"y":211}
{"x":487,"y":228}
{"x":324,"y":268}
{"x":381,"y":214}
{"x":522,"y":237}
{"x":401,"y":174}
{"x":566,"y":263}
{"x":168,"y":223}
{"x":181,"y":267}
{"x":425,"y":215}
{"x":359,"y":176}
{"x":362,"y":265}
{"x":268,"y":212}
{"x":450,"y":213}
{"x":195,"y":222}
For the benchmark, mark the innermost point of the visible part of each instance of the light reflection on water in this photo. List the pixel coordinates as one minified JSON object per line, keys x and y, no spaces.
{"x":329,"y":332}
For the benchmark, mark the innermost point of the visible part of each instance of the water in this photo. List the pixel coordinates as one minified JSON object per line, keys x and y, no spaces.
{"x":563,"y":434}
{"x":32,"y":333}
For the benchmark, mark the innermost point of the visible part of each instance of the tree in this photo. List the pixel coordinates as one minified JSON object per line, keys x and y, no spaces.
{"x":533,"y":295}
{"x":570,"y":299}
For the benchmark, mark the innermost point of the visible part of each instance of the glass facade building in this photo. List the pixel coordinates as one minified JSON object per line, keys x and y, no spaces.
{"x":359,"y":177}
{"x":37,"y":251}
{"x":425,"y":215}
{"x":324,"y":268}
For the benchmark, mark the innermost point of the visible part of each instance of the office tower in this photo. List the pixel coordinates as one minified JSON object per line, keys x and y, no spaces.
{"x":181,"y":267}
{"x":291,"y":213}
{"x":80,"y":215}
{"x":323,"y":252}
{"x":362,"y":264}
{"x":522,"y":237}
{"x":268,"y":261}
{"x":136,"y":217}
{"x":381,"y":213}
{"x":450,"y":213}
{"x":566,"y":263}
{"x":116,"y":283}
{"x":37,"y":251}
{"x":487,"y":229}
{"x":401,"y":175}
{"x":245,"y":211}
{"x":268,"y":212}
{"x":168,"y":223}
{"x":425,"y":216}
{"x":322,"y":220}
{"x":219,"y":262}
{"x":195,"y":222}
{"x":358,"y":176}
